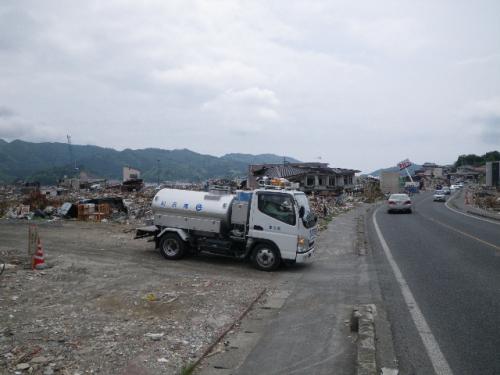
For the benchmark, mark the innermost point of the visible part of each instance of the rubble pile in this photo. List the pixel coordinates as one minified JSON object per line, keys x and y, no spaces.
{"x":122,"y":206}
{"x":371,"y":191}
{"x":10,"y":200}
{"x":487,"y":198}
{"x":326,"y":207}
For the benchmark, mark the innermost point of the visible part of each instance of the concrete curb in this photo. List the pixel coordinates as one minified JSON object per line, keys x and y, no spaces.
{"x":366,"y":363}
{"x":486,"y":216}
{"x":376,"y":322}
{"x":453,"y":198}
{"x":470,"y":210}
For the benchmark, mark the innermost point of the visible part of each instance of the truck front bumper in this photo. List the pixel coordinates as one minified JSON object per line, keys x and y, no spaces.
{"x":305,"y":257}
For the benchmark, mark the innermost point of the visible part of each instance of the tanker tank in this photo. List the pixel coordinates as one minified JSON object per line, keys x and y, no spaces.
{"x":192,"y":204}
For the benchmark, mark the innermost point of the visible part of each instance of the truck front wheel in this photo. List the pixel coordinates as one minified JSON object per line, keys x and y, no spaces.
{"x":171,"y":246}
{"x":265,"y":257}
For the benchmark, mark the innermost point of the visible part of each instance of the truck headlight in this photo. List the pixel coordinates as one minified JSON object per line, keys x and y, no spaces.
{"x":302,"y":244}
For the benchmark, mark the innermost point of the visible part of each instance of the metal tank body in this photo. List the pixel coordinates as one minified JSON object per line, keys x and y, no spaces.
{"x":194,"y":204}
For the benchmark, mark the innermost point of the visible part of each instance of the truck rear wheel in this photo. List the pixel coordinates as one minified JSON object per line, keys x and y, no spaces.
{"x":171,"y":246}
{"x":265,"y":257}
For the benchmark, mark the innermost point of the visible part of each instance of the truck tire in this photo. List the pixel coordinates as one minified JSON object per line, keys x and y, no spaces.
{"x":265,"y":257}
{"x":171,"y":246}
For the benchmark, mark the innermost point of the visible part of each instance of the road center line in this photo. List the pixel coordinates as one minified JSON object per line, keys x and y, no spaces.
{"x":462,"y":232}
{"x":441,"y":366}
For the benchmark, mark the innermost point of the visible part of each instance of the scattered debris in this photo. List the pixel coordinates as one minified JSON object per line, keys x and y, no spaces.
{"x":151,"y":297}
{"x":327,"y":206}
{"x":104,"y":204}
{"x":484,"y":197}
{"x":86,"y":315}
{"x":154,"y":336}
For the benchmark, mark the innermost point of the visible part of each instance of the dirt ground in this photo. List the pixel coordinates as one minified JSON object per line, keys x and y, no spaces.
{"x":109,"y":304}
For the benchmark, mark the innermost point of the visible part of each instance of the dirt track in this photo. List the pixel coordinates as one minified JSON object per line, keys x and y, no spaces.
{"x":109,"y":304}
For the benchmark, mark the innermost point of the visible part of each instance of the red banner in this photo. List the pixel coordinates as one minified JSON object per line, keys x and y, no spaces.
{"x":404,"y":164}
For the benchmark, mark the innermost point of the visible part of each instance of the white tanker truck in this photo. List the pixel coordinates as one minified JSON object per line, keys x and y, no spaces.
{"x":268,"y":226}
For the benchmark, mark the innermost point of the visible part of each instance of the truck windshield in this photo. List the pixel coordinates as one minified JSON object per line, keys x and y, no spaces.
{"x":302,"y":201}
{"x":309,"y":218}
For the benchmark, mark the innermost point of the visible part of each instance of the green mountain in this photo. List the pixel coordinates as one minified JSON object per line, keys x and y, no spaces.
{"x":48,"y":162}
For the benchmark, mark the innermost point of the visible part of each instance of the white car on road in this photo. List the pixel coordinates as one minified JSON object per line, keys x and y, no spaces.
{"x":399,"y":203}
{"x":439,"y":196}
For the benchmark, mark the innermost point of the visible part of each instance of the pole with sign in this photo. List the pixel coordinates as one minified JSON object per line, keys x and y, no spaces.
{"x":404,"y":165}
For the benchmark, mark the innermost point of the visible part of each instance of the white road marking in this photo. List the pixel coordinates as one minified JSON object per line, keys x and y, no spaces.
{"x":469,"y":215}
{"x":441,"y":366}
{"x":462,"y":232}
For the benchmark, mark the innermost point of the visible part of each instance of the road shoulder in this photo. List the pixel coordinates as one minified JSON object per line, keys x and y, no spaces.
{"x":457,"y":203}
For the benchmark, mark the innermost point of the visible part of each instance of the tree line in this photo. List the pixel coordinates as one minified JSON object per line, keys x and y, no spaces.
{"x":476,"y":160}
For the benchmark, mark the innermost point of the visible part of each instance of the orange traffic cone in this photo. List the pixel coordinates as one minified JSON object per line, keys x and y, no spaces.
{"x":39,"y":259}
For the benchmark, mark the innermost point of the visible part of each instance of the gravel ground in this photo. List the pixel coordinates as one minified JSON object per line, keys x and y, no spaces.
{"x":109,"y":304}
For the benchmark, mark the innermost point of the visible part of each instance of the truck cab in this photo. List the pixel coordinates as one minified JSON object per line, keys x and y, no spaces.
{"x":283,"y":218}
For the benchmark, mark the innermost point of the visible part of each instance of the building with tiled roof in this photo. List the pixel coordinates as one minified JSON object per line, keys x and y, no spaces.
{"x":312,"y":177}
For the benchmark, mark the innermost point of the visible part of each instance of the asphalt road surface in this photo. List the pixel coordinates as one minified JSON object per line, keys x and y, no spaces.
{"x":439,"y":273}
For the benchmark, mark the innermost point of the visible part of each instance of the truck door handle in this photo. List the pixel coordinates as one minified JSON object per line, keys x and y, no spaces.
{"x":258,"y":227}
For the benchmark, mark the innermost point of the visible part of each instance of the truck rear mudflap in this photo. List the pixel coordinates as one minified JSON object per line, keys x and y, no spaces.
{"x":149,"y":231}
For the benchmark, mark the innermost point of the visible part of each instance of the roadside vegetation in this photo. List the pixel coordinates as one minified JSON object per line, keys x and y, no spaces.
{"x":476,"y":160}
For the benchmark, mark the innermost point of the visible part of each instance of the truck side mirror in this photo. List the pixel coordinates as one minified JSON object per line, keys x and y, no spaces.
{"x":302,"y":211}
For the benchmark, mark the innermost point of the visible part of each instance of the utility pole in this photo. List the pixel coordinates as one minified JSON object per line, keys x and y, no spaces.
{"x":72,"y":160}
{"x":158,"y":170}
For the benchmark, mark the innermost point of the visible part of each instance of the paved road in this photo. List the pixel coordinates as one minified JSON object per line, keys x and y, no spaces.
{"x":451,"y":264}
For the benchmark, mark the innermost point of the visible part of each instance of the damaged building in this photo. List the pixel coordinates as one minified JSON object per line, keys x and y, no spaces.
{"x":132,"y":179}
{"x":311,"y":177}
{"x":468,"y":173}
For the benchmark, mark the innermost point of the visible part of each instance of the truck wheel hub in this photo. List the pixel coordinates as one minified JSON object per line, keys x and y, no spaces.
{"x":171,"y":247}
{"x":265,"y":257}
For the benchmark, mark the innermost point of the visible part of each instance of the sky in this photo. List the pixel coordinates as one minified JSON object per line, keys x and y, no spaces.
{"x":357,"y":84}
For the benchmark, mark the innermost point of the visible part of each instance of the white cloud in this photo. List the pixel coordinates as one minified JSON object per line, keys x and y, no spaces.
{"x":393,"y":36}
{"x":484,"y":117}
{"x":10,"y":130}
{"x":253,"y":96}
{"x":171,"y":73}
{"x":246,"y":110}
{"x":217,"y":75}
{"x":485,"y":108}
{"x":13,"y":126}
{"x":493,"y":58}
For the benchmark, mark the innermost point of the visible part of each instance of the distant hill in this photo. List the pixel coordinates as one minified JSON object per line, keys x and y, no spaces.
{"x":48,"y":162}
{"x":411,"y":169}
{"x":259,"y":159}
